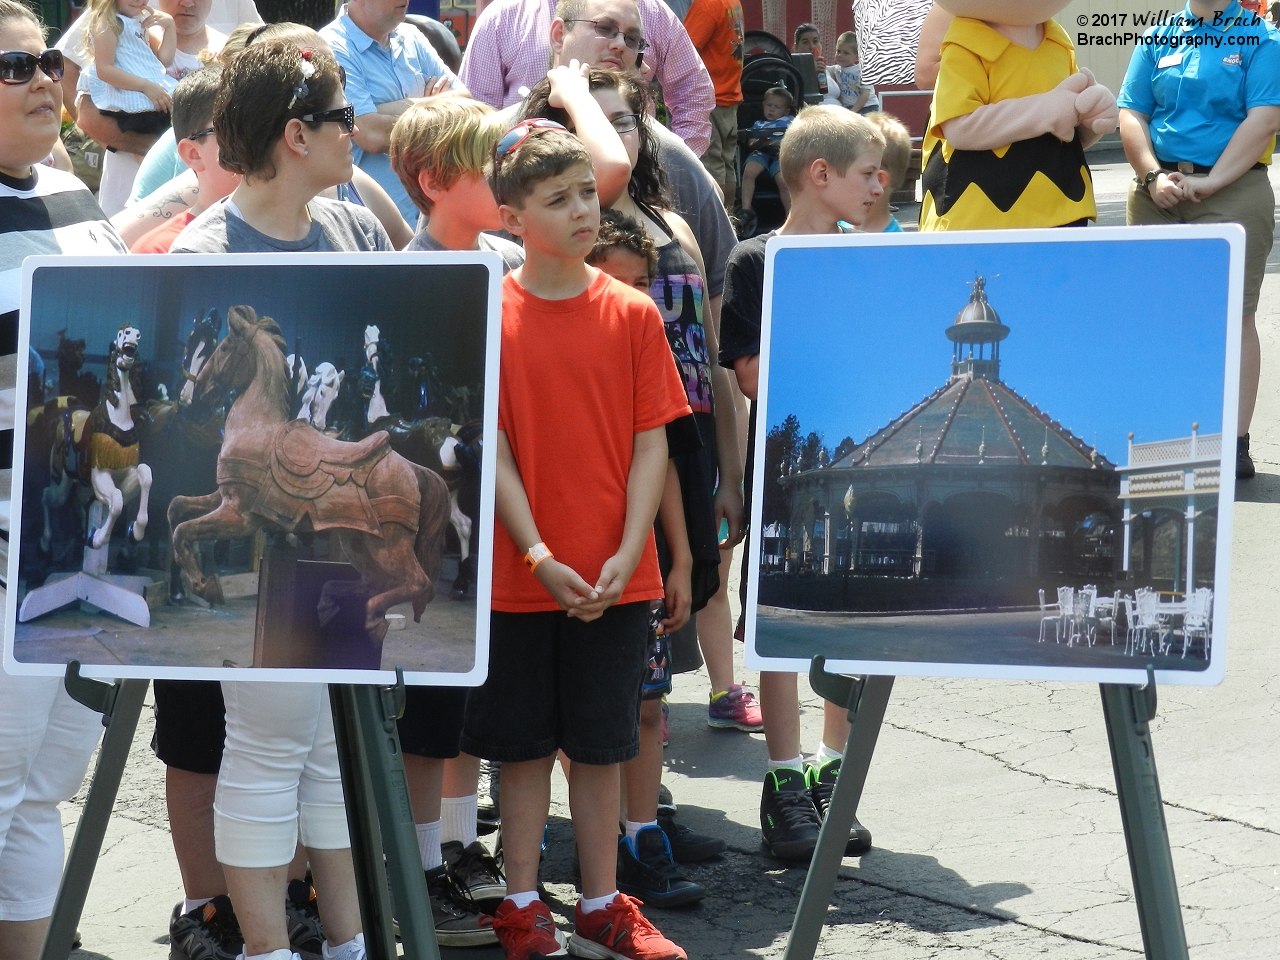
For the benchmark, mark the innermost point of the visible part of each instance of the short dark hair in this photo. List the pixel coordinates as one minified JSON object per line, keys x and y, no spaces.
{"x":803,"y":29}
{"x":193,"y":101}
{"x":621,"y":232}
{"x":544,"y":154}
{"x":262,"y":89}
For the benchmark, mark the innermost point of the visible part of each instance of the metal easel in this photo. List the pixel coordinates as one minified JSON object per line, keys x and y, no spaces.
{"x":384,"y":844}
{"x":1128,"y":711}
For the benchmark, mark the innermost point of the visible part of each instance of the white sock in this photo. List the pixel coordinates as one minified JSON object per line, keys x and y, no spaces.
{"x":189,"y":905}
{"x":633,"y":828}
{"x":429,"y":844}
{"x":825,"y":754}
{"x":796,"y":763}
{"x":522,"y":900}
{"x":353,"y":949}
{"x":592,"y":904}
{"x":282,"y":954}
{"x":458,"y":819}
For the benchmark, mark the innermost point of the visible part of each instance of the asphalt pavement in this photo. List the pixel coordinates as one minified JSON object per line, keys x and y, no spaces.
{"x":992,"y":804}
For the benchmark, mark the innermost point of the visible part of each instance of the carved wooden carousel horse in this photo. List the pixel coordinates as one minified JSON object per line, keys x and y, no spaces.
{"x":273,"y":471}
{"x":116,"y":472}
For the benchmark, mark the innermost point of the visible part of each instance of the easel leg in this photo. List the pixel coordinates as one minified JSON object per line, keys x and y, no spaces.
{"x":866,"y":701}
{"x":120,"y":705}
{"x":1128,"y":711}
{"x":380,"y":819}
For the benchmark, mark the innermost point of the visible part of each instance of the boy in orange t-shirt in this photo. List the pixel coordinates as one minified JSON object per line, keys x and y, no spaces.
{"x":587,"y":388}
{"x":715,"y":27}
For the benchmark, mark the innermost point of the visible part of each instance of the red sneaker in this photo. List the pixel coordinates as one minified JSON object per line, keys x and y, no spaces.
{"x":528,"y":934}
{"x":620,"y":932}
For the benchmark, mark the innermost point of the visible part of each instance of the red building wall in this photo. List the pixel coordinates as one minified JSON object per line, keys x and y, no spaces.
{"x":785,"y":15}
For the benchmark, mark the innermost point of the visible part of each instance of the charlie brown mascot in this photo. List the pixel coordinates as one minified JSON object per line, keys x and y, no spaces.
{"x":1012,"y":115}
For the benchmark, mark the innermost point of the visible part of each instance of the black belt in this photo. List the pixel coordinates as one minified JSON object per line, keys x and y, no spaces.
{"x":1186,"y":168}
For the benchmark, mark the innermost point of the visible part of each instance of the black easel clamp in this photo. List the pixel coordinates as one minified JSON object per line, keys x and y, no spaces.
{"x":393,"y":700}
{"x":97,"y":695}
{"x":834,"y":687}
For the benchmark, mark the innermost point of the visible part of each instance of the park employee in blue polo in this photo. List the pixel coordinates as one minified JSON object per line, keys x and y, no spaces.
{"x":1199,"y":111}
{"x":389,"y":64}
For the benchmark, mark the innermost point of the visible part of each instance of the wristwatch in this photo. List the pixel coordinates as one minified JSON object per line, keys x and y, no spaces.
{"x":1148,"y":178}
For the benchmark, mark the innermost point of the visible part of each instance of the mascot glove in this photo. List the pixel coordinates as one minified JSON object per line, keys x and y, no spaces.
{"x":1097,"y":108}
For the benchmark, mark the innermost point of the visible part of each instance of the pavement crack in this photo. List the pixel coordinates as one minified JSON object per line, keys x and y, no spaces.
{"x":1057,"y":781}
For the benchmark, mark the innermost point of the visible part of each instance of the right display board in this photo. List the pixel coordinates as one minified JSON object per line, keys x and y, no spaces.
{"x":997,"y":454}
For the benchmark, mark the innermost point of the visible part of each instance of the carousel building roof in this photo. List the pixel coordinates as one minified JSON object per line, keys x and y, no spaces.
{"x":974,"y":419}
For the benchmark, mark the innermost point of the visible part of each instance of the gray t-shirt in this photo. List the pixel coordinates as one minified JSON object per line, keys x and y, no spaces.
{"x":697,"y":199}
{"x":512,"y":253}
{"x":335,"y":226}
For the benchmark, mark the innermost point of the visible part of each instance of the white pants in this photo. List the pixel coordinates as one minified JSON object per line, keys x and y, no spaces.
{"x":46,"y":739}
{"x":118,"y":172}
{"x":279,"y":777}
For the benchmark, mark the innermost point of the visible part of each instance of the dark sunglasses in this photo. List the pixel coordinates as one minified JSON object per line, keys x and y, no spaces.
{"x":200,"y":135}
{"x":518,"y":134}
{"x":343,"y":115}
{"x":18,"y":66}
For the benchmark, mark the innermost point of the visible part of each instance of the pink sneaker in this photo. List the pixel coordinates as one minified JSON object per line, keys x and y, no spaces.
{"x":735,"y":709}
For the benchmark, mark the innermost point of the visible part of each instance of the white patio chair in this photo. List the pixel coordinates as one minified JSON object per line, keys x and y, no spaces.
{"x":1132,"y":630}
{"x":1085,"y":614}
{"x":1066,"y":604}
{"x":1152,"y":627}
{"x":1108,"y":619}
{"x":1198,"y":619}
{"x":1048,"y":612}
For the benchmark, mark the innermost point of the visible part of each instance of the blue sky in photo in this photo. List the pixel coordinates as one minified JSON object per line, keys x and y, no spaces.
{"x":1106,"y":336}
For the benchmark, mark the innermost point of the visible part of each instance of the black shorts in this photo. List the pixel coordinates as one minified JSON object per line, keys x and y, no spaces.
{"x":191,"y":724}
{"x":432,"y":721}
{"x":558,"y":683}
{"x":149,"y":121}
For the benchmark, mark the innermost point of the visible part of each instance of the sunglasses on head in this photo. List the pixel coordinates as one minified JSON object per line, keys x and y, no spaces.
{"x":18,"y":66}
{"x":343,"y":115}
{"x":518,"y":134}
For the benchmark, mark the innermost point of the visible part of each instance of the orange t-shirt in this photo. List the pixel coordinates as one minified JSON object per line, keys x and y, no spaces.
{"x":580,"y":378}
{"x":161,"y":238}
{"x":715,"y":27}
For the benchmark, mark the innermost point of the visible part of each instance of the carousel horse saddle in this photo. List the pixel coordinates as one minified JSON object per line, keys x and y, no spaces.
{"x":311,"y":476}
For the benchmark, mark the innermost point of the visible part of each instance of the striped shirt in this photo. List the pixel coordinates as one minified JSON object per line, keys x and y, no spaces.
{"x":50,"y":212}
{"x":133,"y":55}
{"x":510,"y":47}
{"x":888,"y":35}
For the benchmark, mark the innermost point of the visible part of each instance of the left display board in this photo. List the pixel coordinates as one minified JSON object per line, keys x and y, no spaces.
{"x":255,"y":467}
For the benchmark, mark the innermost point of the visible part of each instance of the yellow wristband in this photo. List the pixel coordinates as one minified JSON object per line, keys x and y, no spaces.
{"x":537,"y":553}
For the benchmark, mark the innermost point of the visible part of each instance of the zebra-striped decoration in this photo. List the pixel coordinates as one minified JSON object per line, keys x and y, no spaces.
{"x":888,"y":36}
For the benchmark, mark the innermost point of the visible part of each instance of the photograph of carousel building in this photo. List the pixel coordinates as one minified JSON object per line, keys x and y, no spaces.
{"x":977,"y":526}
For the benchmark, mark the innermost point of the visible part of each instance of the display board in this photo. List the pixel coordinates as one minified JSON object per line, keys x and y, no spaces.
{"x":255,"y":467}
{"x":998,"y":454}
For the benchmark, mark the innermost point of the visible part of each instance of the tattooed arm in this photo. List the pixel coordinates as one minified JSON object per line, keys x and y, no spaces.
{"x":148,"y":213}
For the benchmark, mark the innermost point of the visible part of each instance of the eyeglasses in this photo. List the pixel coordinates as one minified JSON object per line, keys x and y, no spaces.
{"x":625,"y":123}
{"x":343,"y":115}
{"x":18,"y":66}
{"x":518,"y":134}
{"x":607,"y":31}
{"x":201,"y":135}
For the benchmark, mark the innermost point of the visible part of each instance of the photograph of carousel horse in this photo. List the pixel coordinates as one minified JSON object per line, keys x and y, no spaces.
{"x":266,"y":467}
{"x":1000,"y":457}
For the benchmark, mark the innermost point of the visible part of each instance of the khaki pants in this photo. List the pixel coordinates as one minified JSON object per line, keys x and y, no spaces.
{"x":1249,"y":202}
{"x":719,"y":156}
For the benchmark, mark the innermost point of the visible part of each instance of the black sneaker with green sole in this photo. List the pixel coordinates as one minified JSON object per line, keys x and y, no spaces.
{"x":789,"y":821}
{"x":822,"y":781}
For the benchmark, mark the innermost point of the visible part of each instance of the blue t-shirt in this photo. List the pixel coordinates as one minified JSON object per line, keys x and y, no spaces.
{"x":774,"y":128}
{"x":159,"y":166}
{"x":1197,"y":78}
{"x":375,"y":76}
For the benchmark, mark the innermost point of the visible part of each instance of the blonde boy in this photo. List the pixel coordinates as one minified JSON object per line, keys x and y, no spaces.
{"x":441,"y":150}
{"x":830,"y":161}
{"x":893,"y":171}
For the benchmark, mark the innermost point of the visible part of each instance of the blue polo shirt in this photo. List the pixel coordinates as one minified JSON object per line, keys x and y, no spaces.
{"x":376,"y":75}
{"x":1197,"y":78}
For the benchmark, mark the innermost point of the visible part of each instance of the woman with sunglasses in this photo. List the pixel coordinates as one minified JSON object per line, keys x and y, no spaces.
{"x":46,"y":738}
{"x":283,"y":123}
